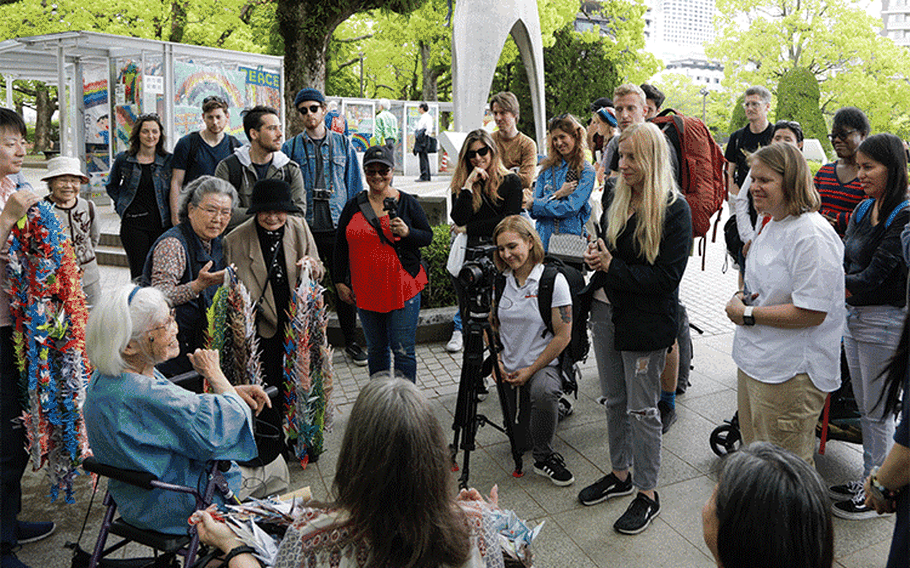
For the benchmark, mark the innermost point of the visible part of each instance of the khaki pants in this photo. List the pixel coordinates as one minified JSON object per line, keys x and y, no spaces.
{"x":784,"y":414}
{"x":261,"y":482}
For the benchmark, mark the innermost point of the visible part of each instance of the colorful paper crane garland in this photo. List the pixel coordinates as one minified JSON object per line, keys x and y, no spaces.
{"x":308,"y":370}
{"x":232,"y":331}
{"x":48,"y":306}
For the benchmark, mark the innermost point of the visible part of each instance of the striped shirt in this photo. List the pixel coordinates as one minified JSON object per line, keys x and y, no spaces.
{"x":838,"y":199}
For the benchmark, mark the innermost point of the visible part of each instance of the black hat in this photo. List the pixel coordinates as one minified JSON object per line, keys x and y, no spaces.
{"x":378,"y":154}
{"x":272,"y":195}
{"x":601,"y":103}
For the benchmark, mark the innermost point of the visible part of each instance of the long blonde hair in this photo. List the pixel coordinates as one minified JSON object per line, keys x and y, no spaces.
{"x":650,"y":150}
{"x":496,"y":171}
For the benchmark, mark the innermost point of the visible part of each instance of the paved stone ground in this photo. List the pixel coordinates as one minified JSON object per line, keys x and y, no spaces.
{"x":574,"y":535}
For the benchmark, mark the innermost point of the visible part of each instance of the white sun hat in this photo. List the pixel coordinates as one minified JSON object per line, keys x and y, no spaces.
{"x":64,"y":166}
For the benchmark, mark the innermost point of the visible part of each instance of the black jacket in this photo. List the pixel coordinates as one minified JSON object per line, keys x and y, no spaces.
{"x":480,"y":223}
{"x":408,"y":248}
{"x":876,"y":274}
{"x":644,"y":296}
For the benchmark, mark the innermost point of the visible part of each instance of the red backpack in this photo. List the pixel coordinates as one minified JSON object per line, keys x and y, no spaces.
{"x":701,"y":166}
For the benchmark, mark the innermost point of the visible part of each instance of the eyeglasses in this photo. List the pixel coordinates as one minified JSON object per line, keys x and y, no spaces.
{"x":213,"y":99}
{"x":843,"y":135}
{"x":215,"y":212}
{"x":171,"y":320}
{"x":377,"y":171}
{"x":471,"y":154}
{"x":148,"y":116}
{"x":303,"y":109}
{"x":752,"y":104}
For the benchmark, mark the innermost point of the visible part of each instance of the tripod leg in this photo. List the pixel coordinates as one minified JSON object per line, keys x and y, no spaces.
{"x":465,"y":423}
{"x":508,"y":416}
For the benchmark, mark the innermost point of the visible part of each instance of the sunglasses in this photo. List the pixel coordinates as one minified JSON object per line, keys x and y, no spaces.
{"x":213,"y":99}
{"x":377,"y":171}
{"x":843,"y":135}
{"x":471,"y":154}
{"x":148,"y":116}
{"x":556,"y":120}
{"x":303,"y":109}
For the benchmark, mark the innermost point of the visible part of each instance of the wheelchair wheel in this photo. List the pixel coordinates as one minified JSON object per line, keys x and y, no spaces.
{"x":725,"y":439}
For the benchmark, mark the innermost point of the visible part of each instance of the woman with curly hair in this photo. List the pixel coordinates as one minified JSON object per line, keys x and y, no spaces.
{"x":560,"y":199}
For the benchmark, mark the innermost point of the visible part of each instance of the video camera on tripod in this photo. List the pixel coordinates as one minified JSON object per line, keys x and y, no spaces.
{"x":477,"y":275}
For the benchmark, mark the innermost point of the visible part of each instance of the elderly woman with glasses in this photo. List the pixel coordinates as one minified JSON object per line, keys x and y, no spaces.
{"x":139,"y":184}
{"x":377,"y":264}
{"x":187,"y":262}
{"x":136,"y":419}
{"x":838,"y":182}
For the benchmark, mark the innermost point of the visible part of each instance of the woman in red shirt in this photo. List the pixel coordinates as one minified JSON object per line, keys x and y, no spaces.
{"x":377,"y":264}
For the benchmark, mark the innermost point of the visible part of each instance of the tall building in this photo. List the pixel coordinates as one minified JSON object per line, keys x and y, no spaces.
{"x":688,"y":23}
{"x":896,"y":21}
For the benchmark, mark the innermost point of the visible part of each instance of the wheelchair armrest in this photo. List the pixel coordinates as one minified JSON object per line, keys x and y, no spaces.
{"x":139,"y":479}
{"x":190,"y":380}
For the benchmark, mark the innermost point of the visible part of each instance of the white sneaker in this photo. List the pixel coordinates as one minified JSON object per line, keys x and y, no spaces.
{"x":455,"y":343}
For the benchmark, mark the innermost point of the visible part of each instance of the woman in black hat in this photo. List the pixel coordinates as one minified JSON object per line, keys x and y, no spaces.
{"x":377,"y":264}
{"x":268,"y":252}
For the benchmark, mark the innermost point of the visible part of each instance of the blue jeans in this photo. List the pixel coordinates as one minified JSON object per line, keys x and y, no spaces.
{"x":395,"y":330}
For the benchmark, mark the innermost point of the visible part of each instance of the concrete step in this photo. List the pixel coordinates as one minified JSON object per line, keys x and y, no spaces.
{"x":110,"y":240}
{"x":111,"y":256}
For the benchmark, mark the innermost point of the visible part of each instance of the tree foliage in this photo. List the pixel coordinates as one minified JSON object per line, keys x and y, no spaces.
{"x":797,"y":99}
{"x":686,"y":96}
{"x":836,"y":40}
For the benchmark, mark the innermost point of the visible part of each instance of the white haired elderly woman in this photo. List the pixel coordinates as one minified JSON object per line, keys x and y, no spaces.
{"x":187,"y":262}
{"x":136,"y":419}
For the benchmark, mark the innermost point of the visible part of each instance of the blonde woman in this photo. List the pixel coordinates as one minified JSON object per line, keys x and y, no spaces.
{"x":790,"y":316}
{"x":638,"y":263}
{"x":560,"y":199}
{"x":484,"y":193}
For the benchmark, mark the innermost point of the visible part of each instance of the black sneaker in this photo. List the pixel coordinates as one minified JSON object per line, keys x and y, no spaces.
{"x":846,"y":491}
{"x":639,"y":515}
{"x":357,"y":355}
{"x":667,"y":416}
{"x":604,"y":488}
{"x":854,"y":509}
{"x":32,"y":532}
{"x":554,"y":467}
{"x":565,"y":407}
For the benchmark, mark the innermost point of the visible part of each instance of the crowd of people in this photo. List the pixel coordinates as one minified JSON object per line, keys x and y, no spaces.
{"x":823,"y":275}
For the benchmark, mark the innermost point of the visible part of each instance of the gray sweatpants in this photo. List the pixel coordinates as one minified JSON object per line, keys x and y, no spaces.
{"x":538,"y":411}
{"x":630,"y":381}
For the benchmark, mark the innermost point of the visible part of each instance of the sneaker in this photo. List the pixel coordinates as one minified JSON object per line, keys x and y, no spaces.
{"x":456,"y":342}
{"x":667,"y":416}
{"x":357,"y":354}
{"x":639,"y":515}
{"x":554,"y":467}
{"x":605,"y":488}
{"x":481,"y":390}
{"x":854,"y":509}
{"x":33,"y":532}
{"x":846,"y":491}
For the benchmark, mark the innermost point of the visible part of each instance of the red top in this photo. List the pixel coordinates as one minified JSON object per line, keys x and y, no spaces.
{"x":377,"y":278}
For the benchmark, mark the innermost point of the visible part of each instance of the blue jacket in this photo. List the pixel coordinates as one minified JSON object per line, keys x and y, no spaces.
{"x":572,"y":211}
{"x":342,"y":171}
{"x":123,"y":183}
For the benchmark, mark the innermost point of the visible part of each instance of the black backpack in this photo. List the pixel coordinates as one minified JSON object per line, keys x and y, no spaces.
{"x":579,"y":345}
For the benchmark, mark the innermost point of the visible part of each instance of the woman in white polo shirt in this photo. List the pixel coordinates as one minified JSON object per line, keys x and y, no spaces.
{"x":529,"y":352}
{"x":790,"y":315}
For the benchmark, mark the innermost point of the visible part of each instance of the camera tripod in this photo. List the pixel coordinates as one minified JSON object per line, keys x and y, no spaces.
{"x":467,"y":421}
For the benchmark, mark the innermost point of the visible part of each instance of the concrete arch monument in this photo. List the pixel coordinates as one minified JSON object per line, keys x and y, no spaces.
{"x":478,"y":35}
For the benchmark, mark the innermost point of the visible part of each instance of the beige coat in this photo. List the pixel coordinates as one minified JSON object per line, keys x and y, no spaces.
{"x":242,"y":249}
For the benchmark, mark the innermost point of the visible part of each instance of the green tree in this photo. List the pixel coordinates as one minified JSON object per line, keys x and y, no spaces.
{"x":836,"y":40}
{"x":797,"y":99}
{"x":738,"y":116}
{"x":692,"y":99}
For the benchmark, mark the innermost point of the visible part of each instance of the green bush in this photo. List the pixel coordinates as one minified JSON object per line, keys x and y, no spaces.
{"x":738,"y":117}
{"x":797,"y":99}
{"x":439,"y":292}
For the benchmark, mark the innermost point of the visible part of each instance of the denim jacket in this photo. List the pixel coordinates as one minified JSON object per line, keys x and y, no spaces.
{"x":343,"y":168}
{"x":571,"y":211}
{"x":123,"y":183}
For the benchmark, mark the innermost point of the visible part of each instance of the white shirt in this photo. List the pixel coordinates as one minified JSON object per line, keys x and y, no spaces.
{"x":521,"y":329}
{"x":427,"y":123}
{"x":741,"y":208}
{"x":798,"y":260}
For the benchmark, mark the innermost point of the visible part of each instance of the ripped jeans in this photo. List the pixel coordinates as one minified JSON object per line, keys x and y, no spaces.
{"x":630,"y":381}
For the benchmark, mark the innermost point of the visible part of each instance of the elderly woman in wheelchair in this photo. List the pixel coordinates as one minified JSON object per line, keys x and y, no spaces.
{"x":138,"y":420}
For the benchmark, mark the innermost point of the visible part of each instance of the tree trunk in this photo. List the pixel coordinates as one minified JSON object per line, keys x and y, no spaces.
{"x":178,"y":20}
{"x":429,"y":82}
{"x":44,"y":108}
{"x":306,"y":43}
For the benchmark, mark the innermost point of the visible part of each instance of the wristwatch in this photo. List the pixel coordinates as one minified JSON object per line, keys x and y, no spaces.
{"x":878,"y":490}
{"x":748,"y":318}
